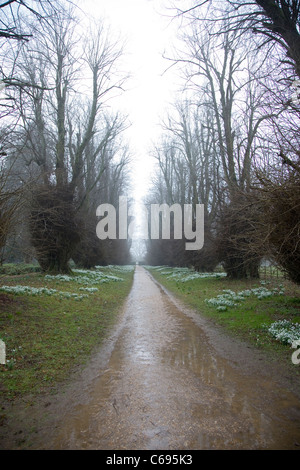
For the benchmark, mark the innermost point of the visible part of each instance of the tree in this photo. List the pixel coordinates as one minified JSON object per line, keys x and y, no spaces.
{"x":279,"y":199}
{"x":10,"y":202}
{"x":271,"y":26}
{"x":221,"y":67}
{"x":13,"y":10}
{"x":277,"y":21}
{"x":61,"y":117}
{"x":12,"y":33}
{"x":187,"y":174}
{"x":105,"y":178}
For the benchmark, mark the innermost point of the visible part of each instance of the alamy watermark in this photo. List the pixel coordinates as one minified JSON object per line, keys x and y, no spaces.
{"x":2,"y":352}
{"x":295,"y":358}
{"x":296,"y":94}
{"x":188,"y":222}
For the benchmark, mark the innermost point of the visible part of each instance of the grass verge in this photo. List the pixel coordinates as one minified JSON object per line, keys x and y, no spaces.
{"x":47,"y":333}
{"x":251,"y":315}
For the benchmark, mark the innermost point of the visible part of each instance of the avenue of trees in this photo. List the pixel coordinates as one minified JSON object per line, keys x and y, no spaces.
{"x":62,"y":153}
{"x":232,"y":142}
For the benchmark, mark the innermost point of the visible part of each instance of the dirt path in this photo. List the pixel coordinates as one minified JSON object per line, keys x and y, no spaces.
{"x":167,"y":380}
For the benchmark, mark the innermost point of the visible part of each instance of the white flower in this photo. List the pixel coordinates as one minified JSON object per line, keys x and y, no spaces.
{"x":285,"y":331}
{"x":229,"y":297}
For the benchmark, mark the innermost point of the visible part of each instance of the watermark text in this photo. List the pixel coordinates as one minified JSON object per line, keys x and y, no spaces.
{"x":187,"y":222}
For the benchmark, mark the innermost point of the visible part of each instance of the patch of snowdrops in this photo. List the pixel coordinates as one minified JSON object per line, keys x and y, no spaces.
{"x":126,"y":268}
{"x":36,"y":291}
{"x":230,"y":298}
{"x":84,"y":277}
{"x":185,"y":274}
{"x":284,"y":331}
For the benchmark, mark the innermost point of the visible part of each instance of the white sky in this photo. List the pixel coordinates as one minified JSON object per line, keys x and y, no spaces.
{"x":149,"y":33}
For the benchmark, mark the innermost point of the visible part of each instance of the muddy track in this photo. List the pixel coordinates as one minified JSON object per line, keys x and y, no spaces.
{"x":166,"y":379}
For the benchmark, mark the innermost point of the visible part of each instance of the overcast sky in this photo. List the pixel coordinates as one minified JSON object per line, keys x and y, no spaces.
{"x":148,"y":33}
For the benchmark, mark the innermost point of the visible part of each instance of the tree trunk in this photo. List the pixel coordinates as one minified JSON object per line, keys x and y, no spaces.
{"x":55,"y":228}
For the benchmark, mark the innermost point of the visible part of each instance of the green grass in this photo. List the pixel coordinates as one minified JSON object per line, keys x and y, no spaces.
{"x":47,"y":336}
{"x":249,"y":320}
{"x":13,"y":269}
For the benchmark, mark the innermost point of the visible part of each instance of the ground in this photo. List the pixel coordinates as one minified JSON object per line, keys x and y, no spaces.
{"x":165,"y":378}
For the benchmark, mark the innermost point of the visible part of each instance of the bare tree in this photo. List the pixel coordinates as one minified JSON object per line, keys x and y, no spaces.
{"x":267,"y":135}
{"x":278,"y":199}
{"x":12,"y":11}
{"x":10,"y":201}
{"x":14,"y":33}
{"x":222,"y":70}
{"x":104,"y":179}
{"x":65,"y":126}
{"x":187,"y":174}
{"x":276,"y":21}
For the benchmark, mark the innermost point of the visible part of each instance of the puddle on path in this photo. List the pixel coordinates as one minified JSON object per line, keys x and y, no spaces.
{"x":165,"y":387}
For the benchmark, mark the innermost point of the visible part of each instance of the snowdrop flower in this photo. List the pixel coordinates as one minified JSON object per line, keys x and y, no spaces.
{"x":285,"y":331}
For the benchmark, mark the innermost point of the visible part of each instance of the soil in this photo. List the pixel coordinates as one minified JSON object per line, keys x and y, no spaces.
{"x":167,"y":379}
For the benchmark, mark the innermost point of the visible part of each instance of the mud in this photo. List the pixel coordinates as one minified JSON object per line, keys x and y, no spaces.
{"x":166,"y":379}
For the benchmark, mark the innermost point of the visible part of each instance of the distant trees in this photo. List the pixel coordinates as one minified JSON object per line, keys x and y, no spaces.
{"x":105,"y":179}
{"x":187,"y":171}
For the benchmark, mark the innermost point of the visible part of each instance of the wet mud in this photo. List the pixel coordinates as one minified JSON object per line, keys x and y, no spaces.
{"x":166,"y":381}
